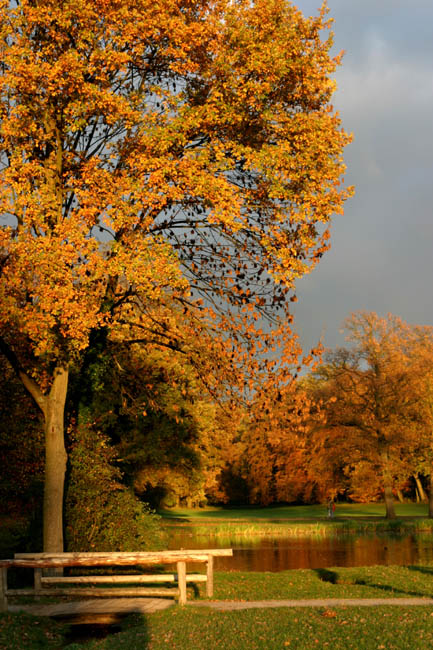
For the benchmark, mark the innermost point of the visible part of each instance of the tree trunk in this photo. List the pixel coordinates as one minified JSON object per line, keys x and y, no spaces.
{"x":389,"y":502}
{"x":53,"y":409}
{"x":422,"y":494}
{"x":55,"y":462}
{"x":387,"y":484}
{"x":400,"y":496}
{"x":430,"y":499}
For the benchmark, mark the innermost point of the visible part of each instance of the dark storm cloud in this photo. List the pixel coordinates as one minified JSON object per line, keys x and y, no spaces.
{"x":382,"y":249}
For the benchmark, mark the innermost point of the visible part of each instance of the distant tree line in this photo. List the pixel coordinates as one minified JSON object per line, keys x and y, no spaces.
{"x":142,"y":431}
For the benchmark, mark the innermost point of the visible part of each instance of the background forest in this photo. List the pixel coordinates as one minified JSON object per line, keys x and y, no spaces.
{"x":357,"y":428}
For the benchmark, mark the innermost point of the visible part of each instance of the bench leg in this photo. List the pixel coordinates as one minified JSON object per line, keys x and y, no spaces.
{"x":37,"y":581}
{"x":209,"y":574}
{"x":181,"y":580}
{"x":3,"y":589}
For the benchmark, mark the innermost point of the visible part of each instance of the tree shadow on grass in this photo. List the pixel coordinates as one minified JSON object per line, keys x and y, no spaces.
{"x":426,"y":570}
{"x":133,"y":625}
{"x":390,"y":589}
{"x":327,"y":575}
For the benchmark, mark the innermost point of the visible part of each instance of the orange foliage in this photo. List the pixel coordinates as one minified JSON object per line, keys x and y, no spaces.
{"x":141,"y":137}
{"x":371,"y":395}
{"x":158,"y":153}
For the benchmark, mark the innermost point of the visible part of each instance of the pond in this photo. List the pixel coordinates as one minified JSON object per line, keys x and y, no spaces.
{"x":280,"y":553}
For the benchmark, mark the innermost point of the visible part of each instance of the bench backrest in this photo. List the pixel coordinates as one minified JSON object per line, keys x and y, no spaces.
{"x":150,"y":555}
{"x":47,"y":560}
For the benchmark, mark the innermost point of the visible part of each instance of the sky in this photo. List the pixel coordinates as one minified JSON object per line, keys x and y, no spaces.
{"x":381,"y":256}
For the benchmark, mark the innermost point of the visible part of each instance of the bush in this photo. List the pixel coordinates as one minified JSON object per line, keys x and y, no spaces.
{"x":102,"y":514}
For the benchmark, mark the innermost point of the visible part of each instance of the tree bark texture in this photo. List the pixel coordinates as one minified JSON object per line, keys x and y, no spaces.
{"x":430,"y":498}
{"x":389,"y":502}
{"x":55,"y":462}
{"x":422,"y":494}
{"x":387,"y":485}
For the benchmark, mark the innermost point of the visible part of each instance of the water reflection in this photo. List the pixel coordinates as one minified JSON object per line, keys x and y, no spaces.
{"x":280,"y":553}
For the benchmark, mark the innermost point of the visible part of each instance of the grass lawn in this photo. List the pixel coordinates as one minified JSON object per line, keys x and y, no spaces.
{"x":198,"y":628}
{"x":298,"y":520}
{"x":284,"y":512}
{"x":341,"y":582}
{"x":25,"y":632}
{"x":194,"y":628}
{"x":340,"y":628}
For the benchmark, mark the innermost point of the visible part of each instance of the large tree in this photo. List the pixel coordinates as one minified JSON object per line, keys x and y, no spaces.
{"x":372,"y":396}
{"x":159,"y":159}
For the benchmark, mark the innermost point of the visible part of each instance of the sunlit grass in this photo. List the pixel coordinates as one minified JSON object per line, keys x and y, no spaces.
{"x":183,"y":628}
{"x":257,"y":531}
{"x":298,"y":521}
{"x":300,"y":628}
{"x":339,"y":628}
{"x":333,"y":582}
{"x":286,"y":512}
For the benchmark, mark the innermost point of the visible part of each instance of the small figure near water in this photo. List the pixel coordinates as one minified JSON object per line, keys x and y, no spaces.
{"x":331,"y":508}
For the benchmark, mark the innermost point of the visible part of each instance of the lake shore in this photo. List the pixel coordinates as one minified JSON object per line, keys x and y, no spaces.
{"x":298,"y":520}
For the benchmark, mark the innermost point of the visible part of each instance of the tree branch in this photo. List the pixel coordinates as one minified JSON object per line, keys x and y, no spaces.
{"x":29,"y":384}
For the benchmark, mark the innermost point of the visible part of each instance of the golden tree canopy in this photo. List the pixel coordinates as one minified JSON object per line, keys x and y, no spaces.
{"x":160,"y":150}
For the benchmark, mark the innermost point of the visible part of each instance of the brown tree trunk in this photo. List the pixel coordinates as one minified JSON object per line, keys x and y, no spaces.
{"x":389,"y":502}
{"x":53,"y":409}
{"x":387,"y":483}
{"x":430,"y":499}
{"x":422,"y":494}
{"x":400,"y":496}
{"x":55,"y":462}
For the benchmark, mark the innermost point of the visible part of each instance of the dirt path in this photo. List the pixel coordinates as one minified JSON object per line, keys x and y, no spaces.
{"x":96,"y":607}
{"x":225,"y":605}
{"x":122,"y":606}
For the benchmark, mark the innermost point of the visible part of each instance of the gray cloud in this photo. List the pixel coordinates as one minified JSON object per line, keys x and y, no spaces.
{"x":381,"y":257}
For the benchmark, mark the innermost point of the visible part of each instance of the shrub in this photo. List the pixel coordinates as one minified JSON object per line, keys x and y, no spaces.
{"x":102,"y":514}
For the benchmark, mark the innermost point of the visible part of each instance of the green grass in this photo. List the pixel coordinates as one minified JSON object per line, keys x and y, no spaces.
{"x":359,"y":628}
{"x":341,"y":582}
{"x":297,"y":521}
{"x":202,"y":628}
{"x":256,"y":531}
{"x":276,"y":513}
{"x":25,"y":632}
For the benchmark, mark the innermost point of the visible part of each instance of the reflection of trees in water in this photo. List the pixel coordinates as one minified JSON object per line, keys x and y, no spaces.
{"x":280,"y":553}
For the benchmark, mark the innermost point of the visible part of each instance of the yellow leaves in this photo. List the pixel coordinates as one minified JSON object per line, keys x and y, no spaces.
{"x":150,"y":134}
{"x":329,"y":613}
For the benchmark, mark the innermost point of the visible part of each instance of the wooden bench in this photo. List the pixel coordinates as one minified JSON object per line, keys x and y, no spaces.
{"x":63,"y":585}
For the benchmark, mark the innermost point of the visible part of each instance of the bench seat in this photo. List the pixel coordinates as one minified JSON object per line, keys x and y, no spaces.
{"x":60,"y":585}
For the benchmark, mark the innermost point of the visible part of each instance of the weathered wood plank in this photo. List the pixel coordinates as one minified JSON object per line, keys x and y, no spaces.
{"x":47,"y":585}
{"x":108,"y":592}
{"x":3,"y":589}
{"x":104,"y":560}
{"x":125,"y":579}
{"x":181,"y":580}
{"x":38,"y":580}
{"x":216,"y":552}
{"x":209,"y":575}
{"x":24,"y":591}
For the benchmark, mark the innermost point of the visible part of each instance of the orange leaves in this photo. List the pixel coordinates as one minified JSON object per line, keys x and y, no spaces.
{"x":166,"y":158}
{"x":372,"y":396}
